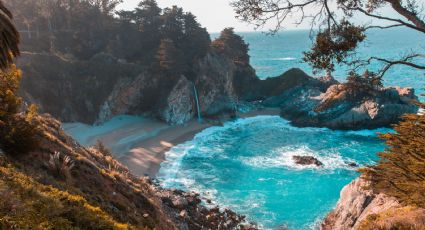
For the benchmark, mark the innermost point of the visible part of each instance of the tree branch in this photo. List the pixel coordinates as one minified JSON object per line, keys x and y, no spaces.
{"x":409,"y":15}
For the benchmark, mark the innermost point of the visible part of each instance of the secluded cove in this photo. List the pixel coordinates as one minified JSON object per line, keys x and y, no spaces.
{"x":245,"y":164}
{"x":140,"y":142}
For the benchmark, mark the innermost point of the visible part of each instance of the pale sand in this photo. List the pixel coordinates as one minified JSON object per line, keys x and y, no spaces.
{"x":142,"y":146}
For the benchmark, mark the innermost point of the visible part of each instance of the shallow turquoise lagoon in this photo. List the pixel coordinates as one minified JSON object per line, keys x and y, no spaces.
{"x":247,"y":165}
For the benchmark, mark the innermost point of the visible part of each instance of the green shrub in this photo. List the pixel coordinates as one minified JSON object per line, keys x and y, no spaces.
{"x":17,"y":129}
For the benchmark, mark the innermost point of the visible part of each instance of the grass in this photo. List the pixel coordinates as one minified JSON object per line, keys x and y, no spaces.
{"x":27,"y":204}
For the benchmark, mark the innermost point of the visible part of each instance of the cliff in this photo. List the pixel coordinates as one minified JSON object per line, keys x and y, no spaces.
{"x":102,"y":87}
{"x":361,"y":208}
{"x":63,"y":184}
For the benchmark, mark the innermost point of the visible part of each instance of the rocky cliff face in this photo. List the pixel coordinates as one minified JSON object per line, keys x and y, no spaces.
{"x":98,"y":89}
{"x":214,"y":80}
{"x":103,"y":87}
{"x":355,"y":204}
{"x":361,"y":208}
{"x":72,"y":90}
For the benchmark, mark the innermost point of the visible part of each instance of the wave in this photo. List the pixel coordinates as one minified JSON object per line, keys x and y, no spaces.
{"x":247,"y":165}
{"x":283,"y":157}
{"x":283,"y":59}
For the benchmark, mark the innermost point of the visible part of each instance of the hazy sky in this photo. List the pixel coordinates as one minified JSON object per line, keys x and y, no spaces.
{"x":218,"y":14}
{"x":213,"y":14}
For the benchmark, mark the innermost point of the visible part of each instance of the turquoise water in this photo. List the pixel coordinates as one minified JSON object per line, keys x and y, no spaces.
{"x":247,"y":165}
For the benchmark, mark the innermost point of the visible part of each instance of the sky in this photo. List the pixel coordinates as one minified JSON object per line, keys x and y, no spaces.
{"x":216,"y":15}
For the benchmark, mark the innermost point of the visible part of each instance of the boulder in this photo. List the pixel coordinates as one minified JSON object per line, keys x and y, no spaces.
{"x":307,"y":160}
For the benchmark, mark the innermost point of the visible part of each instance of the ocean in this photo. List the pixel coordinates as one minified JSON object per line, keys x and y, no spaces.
{"x":247,"y":164}
{"x":273,"y":55}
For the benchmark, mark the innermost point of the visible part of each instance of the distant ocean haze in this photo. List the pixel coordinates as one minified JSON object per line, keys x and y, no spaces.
{"x":271,"y":55}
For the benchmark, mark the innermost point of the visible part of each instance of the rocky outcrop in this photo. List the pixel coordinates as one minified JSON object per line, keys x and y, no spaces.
{"x":307,"y":160}
{"x":326,"y":103}
{"x":356,"y":203}
{"x":361,"y":208}
{"x":180,"y":105}
{"x":216,"y":79}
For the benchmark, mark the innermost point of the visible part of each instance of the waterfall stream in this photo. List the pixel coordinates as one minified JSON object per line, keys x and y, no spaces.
{"x":197,"y":103}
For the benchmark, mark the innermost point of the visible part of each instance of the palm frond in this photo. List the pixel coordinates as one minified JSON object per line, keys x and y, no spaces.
{"x":9,"y":38}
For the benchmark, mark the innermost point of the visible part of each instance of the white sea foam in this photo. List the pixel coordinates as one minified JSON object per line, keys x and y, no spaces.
{"x":283,"y":157}
{"x":194,"y":165}
{"x":282,"y":59}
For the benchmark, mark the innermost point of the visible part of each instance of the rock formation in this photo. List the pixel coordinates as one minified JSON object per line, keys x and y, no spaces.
{"x":102,"y":87}
{"x":307,"y":160}
{"x":361,"y":208}
{"x":322,"y":102}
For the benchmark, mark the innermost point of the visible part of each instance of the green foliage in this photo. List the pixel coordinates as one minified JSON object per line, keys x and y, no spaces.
{"x":169,"y":58}
{"x":233,"y":46}
{"x":334,"y":45}
{"x":84,"y":28}
{"x":17,"y":130}
{"x":401,"y":170}
{"x":357,"y":89}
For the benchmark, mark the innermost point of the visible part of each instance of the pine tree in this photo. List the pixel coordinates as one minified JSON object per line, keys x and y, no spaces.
{"x":17,"y":130}
{"x":196,"y":39}
{"x":233,"y":46}
{"x":169,"y":58}
{"x":401,"y":170}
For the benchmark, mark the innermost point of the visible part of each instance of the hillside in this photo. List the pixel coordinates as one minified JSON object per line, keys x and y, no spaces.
{"x":85,"y":188}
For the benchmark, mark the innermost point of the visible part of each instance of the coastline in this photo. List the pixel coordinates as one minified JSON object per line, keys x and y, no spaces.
{"x":142,"y":145}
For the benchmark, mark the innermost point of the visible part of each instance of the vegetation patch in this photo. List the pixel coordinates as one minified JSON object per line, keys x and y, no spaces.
{"x":25,"y":204}
{"x":401,"y":171}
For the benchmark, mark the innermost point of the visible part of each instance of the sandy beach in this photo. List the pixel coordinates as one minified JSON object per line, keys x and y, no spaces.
{"x":141,"y":143}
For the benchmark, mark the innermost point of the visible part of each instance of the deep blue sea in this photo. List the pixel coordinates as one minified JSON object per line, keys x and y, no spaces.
{"x":247,"y":164}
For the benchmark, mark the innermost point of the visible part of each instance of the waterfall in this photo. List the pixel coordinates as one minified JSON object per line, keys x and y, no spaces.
{"x":197,"y":103}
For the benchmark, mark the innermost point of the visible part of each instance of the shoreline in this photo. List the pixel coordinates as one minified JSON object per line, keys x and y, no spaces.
{"x":142,"y":144}
{"x":146,"y":156}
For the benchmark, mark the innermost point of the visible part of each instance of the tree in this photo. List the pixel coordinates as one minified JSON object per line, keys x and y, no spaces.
{"x":17,"y":130}
{"x":233,"y":46}
{"x":338,"y":35}
{"x":401,"y":170}
{"x":196,"y":39}
{"x":147,"y":17}
{"x":9,"y":38}
{"x":173,"y":25}
{"x":169,"y":58}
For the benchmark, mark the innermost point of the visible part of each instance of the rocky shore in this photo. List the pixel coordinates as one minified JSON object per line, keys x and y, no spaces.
{"x":361,"y":208}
